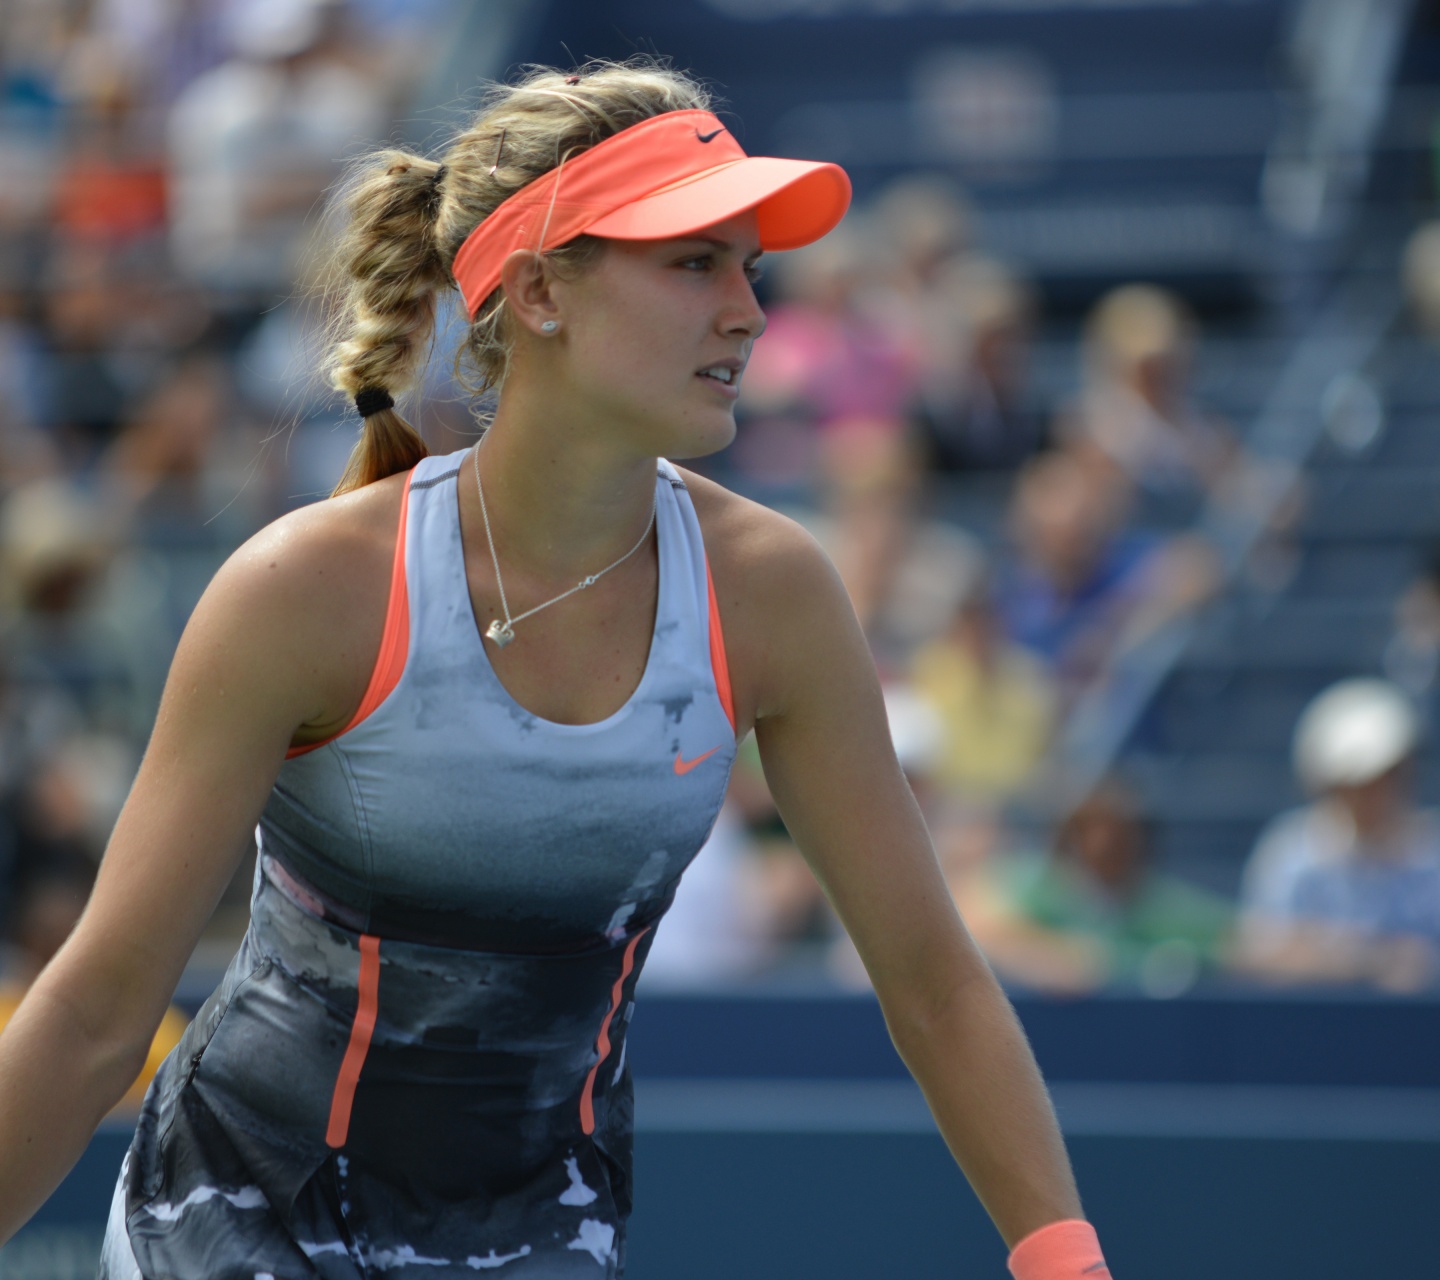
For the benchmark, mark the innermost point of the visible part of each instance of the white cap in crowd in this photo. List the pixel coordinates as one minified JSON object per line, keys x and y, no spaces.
{"x":1353,"y":732}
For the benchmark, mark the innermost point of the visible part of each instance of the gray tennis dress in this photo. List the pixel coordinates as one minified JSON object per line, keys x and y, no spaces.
{"x":415,"y":1064}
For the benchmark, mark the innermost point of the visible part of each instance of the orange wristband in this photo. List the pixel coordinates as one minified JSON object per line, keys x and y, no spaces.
{"x":1068,"y":1250}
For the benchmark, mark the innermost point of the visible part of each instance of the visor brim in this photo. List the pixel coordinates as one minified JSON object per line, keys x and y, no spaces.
{"x":796,"y":202}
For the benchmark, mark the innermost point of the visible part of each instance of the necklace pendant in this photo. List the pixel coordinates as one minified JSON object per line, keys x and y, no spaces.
{"x":499,"y":632}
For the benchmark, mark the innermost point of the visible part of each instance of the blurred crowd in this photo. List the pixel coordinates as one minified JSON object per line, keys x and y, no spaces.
{"x":1010,"y":559}
{"x":1005,"y":549}
{"x":165,"y":161}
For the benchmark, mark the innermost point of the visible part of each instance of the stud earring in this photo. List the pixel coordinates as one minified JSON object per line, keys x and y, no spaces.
{"x":549,"y":326}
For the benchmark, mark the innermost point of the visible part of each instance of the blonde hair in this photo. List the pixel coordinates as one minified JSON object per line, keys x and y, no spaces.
{"x":406,"y":217}
{"x":1134,"y":323}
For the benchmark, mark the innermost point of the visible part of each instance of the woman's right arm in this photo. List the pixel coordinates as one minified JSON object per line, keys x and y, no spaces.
{"x":278,"y":642}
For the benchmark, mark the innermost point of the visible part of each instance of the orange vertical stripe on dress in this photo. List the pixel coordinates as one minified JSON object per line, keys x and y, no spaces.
{"x":602,"y":1042}
{"x":367,"y":1005}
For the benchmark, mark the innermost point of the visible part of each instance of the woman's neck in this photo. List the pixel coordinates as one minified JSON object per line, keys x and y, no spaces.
{"x":563,"y":500}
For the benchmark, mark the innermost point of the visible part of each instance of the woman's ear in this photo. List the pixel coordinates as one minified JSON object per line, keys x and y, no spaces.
{"x":528,"y":282}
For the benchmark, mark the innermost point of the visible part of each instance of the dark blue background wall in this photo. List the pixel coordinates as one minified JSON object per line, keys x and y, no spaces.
{"x":778,"y":1139}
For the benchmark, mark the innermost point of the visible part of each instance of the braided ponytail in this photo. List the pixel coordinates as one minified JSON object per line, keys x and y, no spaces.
{"x":391,"y":271}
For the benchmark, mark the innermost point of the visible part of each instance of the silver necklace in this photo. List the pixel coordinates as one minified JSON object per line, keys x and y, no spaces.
{"x":504,"y":632}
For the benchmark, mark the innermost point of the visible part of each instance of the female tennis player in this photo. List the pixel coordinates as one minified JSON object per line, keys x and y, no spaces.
{"x":483,"y":708}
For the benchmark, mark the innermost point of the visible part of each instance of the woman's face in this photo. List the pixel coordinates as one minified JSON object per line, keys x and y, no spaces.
{"x":658,"y":332}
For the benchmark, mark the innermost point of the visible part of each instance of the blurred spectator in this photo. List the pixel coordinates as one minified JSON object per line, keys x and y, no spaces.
{"x":44,"y":913}
{"x":129,"y":465}
{"x":148,"y":50}
{"x":995,"y":702}
{"x":87,"y":385}
{"x":62,"y":795}
{"x":161,"y":462}
{"x":920,"y":226}
{"x":825,"y":364}
{"x":255,"y":142}
{"x":964,"y":322}
{"x":183,"y":481}
{"x":68,"y":798}
{"x":1412,"y":656}
{"x":1421,"y":274}
{"x":57,"y":550}
{"x":54,"y":546}
{"x":905,"y":572}
{"x":111,"y":186}
{"x":1136,"y":407}
{"x":1347,"y":889}
{"x":25,"y":452}
{"x":1079,"y":589}
{"x":181,"y":471}
{"x":926,"y":223}
{"x":974,"y":411}
{"x":1095,"y":910}
{"x":312,"y":430}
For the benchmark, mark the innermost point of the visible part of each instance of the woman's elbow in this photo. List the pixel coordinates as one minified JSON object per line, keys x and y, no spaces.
{"x":922,"y":990}
{"x":107,"y":1023}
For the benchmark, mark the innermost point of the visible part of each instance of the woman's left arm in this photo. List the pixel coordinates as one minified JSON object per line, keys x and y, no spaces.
{"x":823,"y":736}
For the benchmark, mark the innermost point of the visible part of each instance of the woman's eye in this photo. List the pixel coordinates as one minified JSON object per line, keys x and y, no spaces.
{"x":754,"y":273}
{"x":702,"y":263}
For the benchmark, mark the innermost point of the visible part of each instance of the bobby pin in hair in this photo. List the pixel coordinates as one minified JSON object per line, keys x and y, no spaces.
{"x":499,"y":147}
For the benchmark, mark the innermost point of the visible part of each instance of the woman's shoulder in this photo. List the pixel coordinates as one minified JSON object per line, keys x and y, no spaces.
{"x":285,"y":635}
{"x":778,"y":595}
{"x":313,"y":585}
{"x":747,"y":542}
{"x":333,"y":541}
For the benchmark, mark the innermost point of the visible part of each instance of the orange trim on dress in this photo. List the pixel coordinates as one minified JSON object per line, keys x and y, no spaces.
{"x":718,"y":664}
{"x":367,"y":1005}
{"x":394,"y":642}
{"x":602,"y":1041}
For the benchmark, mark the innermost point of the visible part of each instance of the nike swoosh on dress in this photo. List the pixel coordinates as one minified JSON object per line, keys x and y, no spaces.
{"x":683,"y":766}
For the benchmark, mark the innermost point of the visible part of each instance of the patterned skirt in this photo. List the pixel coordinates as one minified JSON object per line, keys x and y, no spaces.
{"x":347,"y":1107}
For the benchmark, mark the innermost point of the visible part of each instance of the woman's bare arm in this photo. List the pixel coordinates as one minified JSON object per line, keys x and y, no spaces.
{"x":279,"y":641}
{"x":820,"y":723}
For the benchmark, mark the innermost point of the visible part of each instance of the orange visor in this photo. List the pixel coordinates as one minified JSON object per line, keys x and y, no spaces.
{"x":666,"y":176}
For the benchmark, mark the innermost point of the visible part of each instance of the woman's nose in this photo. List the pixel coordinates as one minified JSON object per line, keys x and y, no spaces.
{"x":744,"y":316}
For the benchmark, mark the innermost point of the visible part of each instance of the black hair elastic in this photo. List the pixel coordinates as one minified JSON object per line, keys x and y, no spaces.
{"x":371,"y":400}
{"x":439,"y":175}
